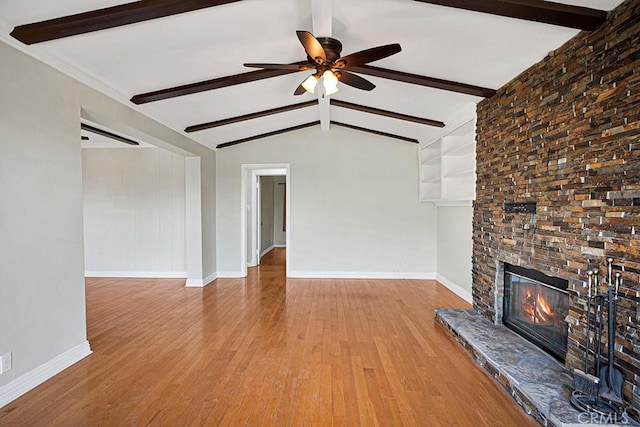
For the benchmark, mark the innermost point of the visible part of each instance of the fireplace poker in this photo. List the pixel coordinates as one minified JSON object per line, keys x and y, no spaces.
{"x":583,"y":381}
{"x":611,"y":378}
{"x":598,"y":319}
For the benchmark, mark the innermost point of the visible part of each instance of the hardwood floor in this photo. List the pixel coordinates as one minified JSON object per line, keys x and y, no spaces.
{"x":266,"y":350}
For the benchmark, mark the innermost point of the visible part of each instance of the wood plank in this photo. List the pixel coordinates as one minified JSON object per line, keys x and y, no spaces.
{"x":106,"y":134}
{"x":416,"y":79}
{"x":252,"y":76}
{"x":386,"y":113}
{"x":233,"y":353}
{"x":267,"y":134}
{"x":217,"y":83}
{"x":250,"y":116}
{"x":376,"y":132}
{"x":564,"y":15}
{"x":110,"y":17}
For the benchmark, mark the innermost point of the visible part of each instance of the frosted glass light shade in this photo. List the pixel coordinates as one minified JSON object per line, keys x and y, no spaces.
{"x":329,"y":82}
{"x":310,"y":84}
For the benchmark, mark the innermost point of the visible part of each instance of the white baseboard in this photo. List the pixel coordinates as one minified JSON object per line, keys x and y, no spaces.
{"x":200,"y":283}
{"x":455,"y":288}
{"x":360,"y":275}
{"x":266,"y":251}
{"x":230,"y":274}
{"x":37,"y":376}
{"x":279,"y":246}
{"x":138,"y":274}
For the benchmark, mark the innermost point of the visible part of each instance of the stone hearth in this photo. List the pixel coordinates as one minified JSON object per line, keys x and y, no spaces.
{"x":539,"y":383}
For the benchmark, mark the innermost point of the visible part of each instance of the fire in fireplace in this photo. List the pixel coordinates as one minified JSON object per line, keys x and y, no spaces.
{"x":535,"y":307}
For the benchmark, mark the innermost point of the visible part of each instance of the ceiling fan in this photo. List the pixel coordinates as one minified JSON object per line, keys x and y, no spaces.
{"x":323,"y":56}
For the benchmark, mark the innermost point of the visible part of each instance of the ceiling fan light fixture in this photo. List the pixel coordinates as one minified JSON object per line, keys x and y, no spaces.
{"x":310,"y":83}
{"x":329,"y":82}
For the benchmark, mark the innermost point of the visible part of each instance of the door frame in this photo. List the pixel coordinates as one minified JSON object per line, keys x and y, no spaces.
{"x":250,"y":209}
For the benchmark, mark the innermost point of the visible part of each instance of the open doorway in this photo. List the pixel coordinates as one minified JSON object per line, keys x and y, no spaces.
{"x":265,"y":223}
{"x":272,"y":222}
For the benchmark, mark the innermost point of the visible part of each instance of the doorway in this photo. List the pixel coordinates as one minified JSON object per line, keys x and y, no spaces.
{"x":271,"y":224}
{"x":266,"y":224}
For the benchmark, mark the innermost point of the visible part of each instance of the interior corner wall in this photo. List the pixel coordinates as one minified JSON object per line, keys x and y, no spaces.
{"x":42,"y":309}
{"x":354,"y":204}
{"x":455,"y":247}
{"x":134,"y":212}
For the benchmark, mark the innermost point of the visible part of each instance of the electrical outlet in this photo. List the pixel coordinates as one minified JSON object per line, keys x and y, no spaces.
{"x":6,"y":364}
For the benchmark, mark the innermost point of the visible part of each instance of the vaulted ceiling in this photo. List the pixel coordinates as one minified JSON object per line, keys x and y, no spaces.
{"x":181,"y":62}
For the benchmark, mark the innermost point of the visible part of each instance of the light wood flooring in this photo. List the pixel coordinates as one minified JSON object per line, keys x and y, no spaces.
{"x":266,"y":350}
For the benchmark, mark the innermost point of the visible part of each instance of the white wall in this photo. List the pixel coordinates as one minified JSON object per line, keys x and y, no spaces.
{"x":354,"y":204}
{"x":455,"y":246}
{"x":134,"y":212}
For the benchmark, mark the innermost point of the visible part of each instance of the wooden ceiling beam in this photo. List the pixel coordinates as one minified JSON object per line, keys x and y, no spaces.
{"x":106,"y":134}
{"x":110,"y":17}
{"x":387,"y":113}
{"x":251,"y":76}
{"x":564,"y":15}
{"x":416,"y":79}
{"x":265,"y":135}
{"x":376,"y":132}
{"x":206,"y":85}
{"x":251,"y":116}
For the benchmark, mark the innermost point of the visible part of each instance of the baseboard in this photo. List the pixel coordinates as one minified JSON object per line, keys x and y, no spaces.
{"x":360,"y":275}
{"x":230,"y":274}
{"x":138,"y":274}
{"x":37,"y":376}
{"x":200,"y":283}
{"x":266,"y":251}
{"x":455,"y":288}
{"x":279,"y":246}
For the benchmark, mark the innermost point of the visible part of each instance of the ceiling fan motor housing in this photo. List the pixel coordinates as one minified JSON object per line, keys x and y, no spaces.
{"x":332,"y":48}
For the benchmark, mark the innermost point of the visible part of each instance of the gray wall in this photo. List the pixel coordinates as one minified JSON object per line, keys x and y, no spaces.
{"x":279,"y":235}
{"x":266,"y":213}
{"x":455,"y":245}
{"x":134,"y":212}
{"x":42,"y":308}
{"x":354,"y":203}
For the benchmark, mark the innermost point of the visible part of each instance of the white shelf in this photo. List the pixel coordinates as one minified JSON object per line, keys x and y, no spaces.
{"x":448,"y":167}
{"x":467,"y":147}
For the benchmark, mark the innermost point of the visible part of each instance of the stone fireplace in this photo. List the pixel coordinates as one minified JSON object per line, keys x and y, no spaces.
{"x":565,"y":135}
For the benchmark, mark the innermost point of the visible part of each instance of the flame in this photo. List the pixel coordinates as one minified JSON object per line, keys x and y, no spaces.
{"x":537,"y":306}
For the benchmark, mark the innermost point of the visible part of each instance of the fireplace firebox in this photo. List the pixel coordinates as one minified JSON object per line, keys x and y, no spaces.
{"x":535,"y":307}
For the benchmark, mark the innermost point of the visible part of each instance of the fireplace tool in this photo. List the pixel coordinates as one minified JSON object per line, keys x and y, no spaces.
{"x":588,"y":389}
{"x":583,"y":381}
{"x":611,"y":378}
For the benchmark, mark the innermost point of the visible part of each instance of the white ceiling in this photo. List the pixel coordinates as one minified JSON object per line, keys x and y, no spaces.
{"x":440,"y":42}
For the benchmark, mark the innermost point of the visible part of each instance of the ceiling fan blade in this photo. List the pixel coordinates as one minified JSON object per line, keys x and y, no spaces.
{"x":355,"y":81}
{"x":299,"y":90}
{"x":358,"y":59}
{"x":298,"y":67}
{"x":312,"y":46}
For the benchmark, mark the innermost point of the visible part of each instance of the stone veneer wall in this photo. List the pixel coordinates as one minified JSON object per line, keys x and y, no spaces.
{"x":566,"y":134}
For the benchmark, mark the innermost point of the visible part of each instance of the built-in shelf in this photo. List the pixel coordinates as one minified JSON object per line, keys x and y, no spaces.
{"x":448,"y":166}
